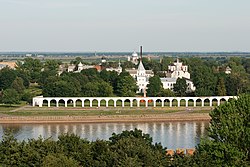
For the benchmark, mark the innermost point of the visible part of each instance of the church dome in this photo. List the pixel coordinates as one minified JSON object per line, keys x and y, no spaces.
{"x":80,"y":64}
{"x":134,"y":54}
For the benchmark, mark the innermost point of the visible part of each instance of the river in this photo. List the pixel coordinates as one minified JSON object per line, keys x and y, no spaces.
{"x":172,"y":135}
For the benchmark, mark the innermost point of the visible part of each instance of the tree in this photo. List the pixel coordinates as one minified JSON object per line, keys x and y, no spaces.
{"x":126,"y":86}
{"x":230,"y":133}
{"x":221,"y":88}
{"x":10,"y":96}
{"x":105,"y":89}
{"x":17,"y":84}
{"x":7,"y":76}
{"x":154,"y":86}
{"x":54,"y":160}
{"x":180,"y":87}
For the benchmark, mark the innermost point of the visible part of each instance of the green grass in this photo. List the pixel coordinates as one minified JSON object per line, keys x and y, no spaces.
{"x":62,"y":111}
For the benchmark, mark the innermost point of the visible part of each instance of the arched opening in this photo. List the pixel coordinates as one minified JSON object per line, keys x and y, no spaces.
{"x":183,"y":102}
{"x":119,"y":103}
{"x":53,"y":103}
{"x":61,"y":103}
{"x":198,"y":102}
{"x":134,"y":103}
{"x":142,"y":103}
{"x":206,"y":102}
{"x":78,"y":103}
{"x":87,"y":103}
{"x":45,"y":103}
{"x":103,"y":103}
{"x":150,"y":103}
{"x":166,"y":103}
{"x":215,"y":102}
{"x":191,"y":102}
{"x":70,"y":103}
{"x":95,"y":103}
{"x":222,"y":101}
{"x":174,"y":103}
{"x":230,"y":99}
{"x":158,"y":103}
{"x":127,"y":103}
{"x":111,"y":103}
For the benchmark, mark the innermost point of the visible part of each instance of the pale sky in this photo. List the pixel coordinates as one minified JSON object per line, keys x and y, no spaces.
{"x":124,"y":25}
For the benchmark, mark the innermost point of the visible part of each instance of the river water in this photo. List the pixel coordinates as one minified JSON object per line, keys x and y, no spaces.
{"x":172,"y":135}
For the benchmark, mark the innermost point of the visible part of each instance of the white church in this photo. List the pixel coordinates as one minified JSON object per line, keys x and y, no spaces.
{"x":175,"y":71}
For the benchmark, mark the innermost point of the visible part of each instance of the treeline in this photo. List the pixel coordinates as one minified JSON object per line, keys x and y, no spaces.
{"x":208,"y":76}
{"x":228,"y":145}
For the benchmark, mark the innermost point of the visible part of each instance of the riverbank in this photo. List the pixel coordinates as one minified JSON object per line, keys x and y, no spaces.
{"x":181,"y":116}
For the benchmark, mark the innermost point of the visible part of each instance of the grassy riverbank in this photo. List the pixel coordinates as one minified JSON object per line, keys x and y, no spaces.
{"x":102,"y":111}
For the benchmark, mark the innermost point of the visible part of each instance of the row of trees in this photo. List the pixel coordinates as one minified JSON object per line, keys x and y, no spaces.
{"x":207,"y":74}
{"x":228,"y":145}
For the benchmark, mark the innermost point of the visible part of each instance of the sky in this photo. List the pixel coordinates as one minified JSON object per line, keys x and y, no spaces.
{"x":124,"y":25}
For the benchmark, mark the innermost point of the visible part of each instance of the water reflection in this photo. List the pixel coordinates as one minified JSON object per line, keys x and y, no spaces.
{"x":170,"y":134}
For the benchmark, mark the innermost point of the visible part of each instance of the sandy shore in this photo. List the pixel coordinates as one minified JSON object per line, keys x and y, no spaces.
{"x":107,"y":119}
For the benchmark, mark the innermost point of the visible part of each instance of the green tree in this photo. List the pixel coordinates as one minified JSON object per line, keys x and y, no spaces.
{"x":167,"y":93}
{"x":17,"y":84}
{"x":180,"y":87}
{"x":10,"y":96}
{"x":154,"y":86}
{"x":55,"y":160}
{"x":105,"y":89}
{"x":230,"y":133}
{"x":7,"y":76}
{"x":221,"y":88}
{"x":126,"y":86}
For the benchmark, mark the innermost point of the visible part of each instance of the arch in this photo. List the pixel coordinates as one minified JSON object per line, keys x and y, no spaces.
{"x":111,"y":103}
{"x":198,"y":102}
{"x":206,"y":102}
{"x":167,"y":103}
{"x":174,"y":103}
{"x":45,"y":103}
{"x":230,"y":99}
{"x":127,"y":102}
{"x":86,"y":103}
{"x":94,"y":103}
{"x":183,"y":102}
{"x":134,"y":103}
{"x":223,"y":100}
{"x":103,"y":103}
{"x":142,"y":103}
{"x":53,"y":103}
{"x":214,"y":102}
{"x":118,"y":103}
{"x":190,"y":102}
{"x":158,"y":102}
{"x":70,"y":103}
{"x":61,"y":103}
{"x":150,"y":103}
{"x":78,"y":103}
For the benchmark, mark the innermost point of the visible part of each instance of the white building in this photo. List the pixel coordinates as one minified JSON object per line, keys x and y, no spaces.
{"x":141,"y":76}
{"x":118,"y":69}
{"x":175,"y":71}
{"x":134,"y":58}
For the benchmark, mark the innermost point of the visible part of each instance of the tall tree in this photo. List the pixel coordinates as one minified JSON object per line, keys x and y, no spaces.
{"x":230,"y":133}
{"x":7,"y":76}
{"x":126,"y":85}
{"x":10,"y":96}
{"x":180,"y":87}
{"x":221,"y":88}
{"x":154,"y":87}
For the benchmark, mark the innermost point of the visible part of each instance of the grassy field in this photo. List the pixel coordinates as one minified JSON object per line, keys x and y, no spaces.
{"x":78,"y":111}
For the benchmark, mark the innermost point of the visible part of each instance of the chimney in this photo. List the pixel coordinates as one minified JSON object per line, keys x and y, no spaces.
{"x":141,"y":53}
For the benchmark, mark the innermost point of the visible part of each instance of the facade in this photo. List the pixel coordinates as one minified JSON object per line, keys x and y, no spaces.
{"x":175,"y":71}
{"x":141,"y":76}
{"x":118,"y":69}
{"x":133,"y":58}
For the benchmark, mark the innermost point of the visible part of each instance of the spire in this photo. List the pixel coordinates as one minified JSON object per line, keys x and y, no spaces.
{"x":119,"y":64}
{"x":141,"y":67}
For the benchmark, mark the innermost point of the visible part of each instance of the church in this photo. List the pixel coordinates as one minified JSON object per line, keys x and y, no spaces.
{"x":175,"y":71}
